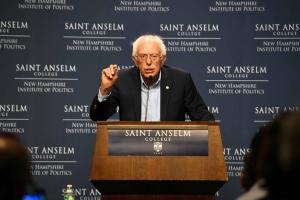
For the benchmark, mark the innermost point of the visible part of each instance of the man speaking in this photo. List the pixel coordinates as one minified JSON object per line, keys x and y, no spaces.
{"x":151,"y":91}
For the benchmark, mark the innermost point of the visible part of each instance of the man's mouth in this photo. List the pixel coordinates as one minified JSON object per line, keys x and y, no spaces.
{"x":148,"y":71}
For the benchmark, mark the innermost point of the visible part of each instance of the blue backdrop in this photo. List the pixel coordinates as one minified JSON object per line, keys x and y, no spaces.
{"x":243,"y":56}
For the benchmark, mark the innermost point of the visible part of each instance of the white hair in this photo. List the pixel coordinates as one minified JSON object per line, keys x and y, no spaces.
{"x":149,"y":38}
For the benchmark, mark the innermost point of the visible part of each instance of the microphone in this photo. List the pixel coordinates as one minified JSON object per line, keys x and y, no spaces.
{"x":150,"y":80}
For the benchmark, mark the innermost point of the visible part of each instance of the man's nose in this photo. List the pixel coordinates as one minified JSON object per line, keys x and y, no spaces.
{"x":148,"y":60}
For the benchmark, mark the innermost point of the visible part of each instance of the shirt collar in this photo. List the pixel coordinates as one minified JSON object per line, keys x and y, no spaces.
{"x":157,"y":83}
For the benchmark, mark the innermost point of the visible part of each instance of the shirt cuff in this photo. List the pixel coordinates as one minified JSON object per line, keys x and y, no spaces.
{"x":102,"y":98}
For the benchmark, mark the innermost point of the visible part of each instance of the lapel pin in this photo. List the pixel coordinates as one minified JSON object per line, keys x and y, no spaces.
{"x":167,"y":87}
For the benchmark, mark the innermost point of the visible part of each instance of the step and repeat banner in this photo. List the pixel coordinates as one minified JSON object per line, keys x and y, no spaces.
{"x":243,"y":55}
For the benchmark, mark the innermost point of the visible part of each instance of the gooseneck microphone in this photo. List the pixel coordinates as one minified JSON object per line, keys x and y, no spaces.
{"x":149,"y":80}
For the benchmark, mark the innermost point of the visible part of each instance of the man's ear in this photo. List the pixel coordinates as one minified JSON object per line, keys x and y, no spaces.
{"x":134,"y":60}
{"x":164,"y":60}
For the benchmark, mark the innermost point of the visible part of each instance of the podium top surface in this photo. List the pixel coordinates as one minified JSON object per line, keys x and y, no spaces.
{"x":209,"y":123}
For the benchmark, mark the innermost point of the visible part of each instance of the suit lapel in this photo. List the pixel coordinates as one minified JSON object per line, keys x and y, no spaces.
{"x":165,"y":91}
{"x":136,"y":93}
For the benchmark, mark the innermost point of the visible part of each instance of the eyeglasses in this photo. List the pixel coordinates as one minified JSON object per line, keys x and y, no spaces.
{"x":153,"y":57}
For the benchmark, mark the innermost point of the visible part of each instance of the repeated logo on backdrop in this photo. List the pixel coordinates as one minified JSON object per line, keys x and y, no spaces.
{"x":190,"y":38}
{"x":76,"y":120}
{"x":237,"y":79}
{"x":236,"y":6}
{"x":13,"y":117}
{"x":14,"y":35}
{"x":52,"y":160}
{"x":94,"y":36}
{"x":45,"y":78}
{"x":57,"y":5}
{"x":272,"y":38}
{"x":241,"y":52}
{"x":140,"y":6}
{"x":85,"y":192}
{"x":265,"y":113}
{"x":234,"y":158}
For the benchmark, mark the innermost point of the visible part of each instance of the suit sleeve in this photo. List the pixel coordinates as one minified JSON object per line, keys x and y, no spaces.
{"x":194,"y":104}
{"x":101,"y":111}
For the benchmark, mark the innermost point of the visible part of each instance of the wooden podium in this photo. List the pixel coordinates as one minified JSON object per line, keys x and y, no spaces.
{"x":158,"y":177}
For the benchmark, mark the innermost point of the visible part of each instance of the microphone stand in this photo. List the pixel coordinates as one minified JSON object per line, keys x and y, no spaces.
{"x":150,"y":80}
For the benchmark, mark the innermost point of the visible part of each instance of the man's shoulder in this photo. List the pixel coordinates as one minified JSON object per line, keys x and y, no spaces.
{"x":128,"y":71}
{"x":174,"y":71}
{"x":127,"y":76}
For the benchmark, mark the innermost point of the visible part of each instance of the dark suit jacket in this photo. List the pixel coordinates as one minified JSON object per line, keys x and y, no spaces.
{"x":179,"y":96}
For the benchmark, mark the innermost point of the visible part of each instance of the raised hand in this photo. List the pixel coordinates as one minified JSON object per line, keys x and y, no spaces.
{"x":109,"y":77}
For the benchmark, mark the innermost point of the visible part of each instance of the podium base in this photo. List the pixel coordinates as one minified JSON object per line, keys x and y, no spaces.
{"x":158,"y":197}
